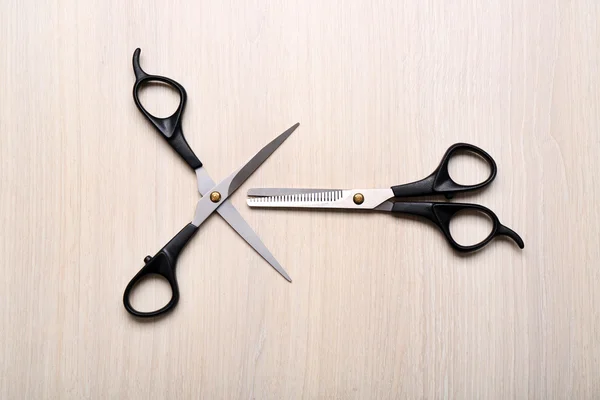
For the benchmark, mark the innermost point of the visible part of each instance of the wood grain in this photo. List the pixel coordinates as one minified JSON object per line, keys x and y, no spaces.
{"x":379,"y":307}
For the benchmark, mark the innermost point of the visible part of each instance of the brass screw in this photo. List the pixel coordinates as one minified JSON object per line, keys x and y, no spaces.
{"x":215,"y":197}
{"x":358,"y":198}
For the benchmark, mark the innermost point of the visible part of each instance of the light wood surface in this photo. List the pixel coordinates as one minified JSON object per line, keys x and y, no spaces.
{"x":379,"y":307}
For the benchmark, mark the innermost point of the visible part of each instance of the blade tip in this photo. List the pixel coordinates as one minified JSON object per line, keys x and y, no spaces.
{"x":293,"y":127}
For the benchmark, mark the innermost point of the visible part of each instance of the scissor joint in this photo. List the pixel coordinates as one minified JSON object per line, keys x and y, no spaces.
{"x":358,"y":198}
{"x":215,"y":197}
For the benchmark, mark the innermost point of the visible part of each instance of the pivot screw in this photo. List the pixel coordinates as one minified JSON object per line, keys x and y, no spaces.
{"x":215,"y":197}
{"x":358,"y":198}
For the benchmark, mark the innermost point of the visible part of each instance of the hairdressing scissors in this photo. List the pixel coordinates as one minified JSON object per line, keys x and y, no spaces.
{"x":215,"y":197}
{"x":392,"y":200}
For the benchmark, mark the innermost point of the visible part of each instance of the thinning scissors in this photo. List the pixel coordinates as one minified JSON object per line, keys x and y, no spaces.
{"x":163,"y":263}
{"x":391,"y":200}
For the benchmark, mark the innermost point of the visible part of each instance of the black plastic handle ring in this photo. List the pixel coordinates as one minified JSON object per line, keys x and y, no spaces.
{"x":443,"y":182}
{"x":440,"y":182}
{"x":163,"y":264}
{"x":442,"y":213}
{"x":169,"y":127}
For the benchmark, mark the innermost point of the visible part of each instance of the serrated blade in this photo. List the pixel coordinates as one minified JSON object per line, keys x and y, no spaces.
{"x":317,"y":198}
{"x":268,"y":192}
{"x":302,"y":198}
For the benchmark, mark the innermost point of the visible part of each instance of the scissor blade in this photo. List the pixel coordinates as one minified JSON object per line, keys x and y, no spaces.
{"x":260,"y":157}
{"x":297,"y":198}
{"x":268,"y":192}
{"x":357,"y":199}
{"x":226,"y":187}
{"x":235,"y":220}
{"x":232,"y":216}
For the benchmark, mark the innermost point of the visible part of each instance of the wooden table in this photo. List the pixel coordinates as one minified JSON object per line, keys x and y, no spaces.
{"x":379,"y":307}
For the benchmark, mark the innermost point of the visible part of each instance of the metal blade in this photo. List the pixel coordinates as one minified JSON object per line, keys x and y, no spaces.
{"x":268,"y":192}
{"x":232,"y":216}
{"x":302,"y":198}
{"x":205,"y":182}
{"x":357,"y":199}
{"x":385,"y":206}
{"x":251,"y":166}
{"x":235,"y":220}
{"x":226,"y":187}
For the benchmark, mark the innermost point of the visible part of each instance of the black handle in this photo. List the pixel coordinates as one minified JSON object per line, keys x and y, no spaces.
{"x":440,"y":182}
{"x":442,"y":213}
{"x":169,"y":127}
{"x":163,"y":264}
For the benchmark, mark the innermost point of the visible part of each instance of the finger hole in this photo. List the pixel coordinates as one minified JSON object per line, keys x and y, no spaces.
{"x":151,"y":293}
{"x":470,"y":227}
{"x":468,"y":168}
{"x":159,"y":99}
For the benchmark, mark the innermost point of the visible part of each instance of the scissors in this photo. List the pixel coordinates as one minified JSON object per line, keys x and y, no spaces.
{"x":391,"y":200}
{"x":163,"y":263}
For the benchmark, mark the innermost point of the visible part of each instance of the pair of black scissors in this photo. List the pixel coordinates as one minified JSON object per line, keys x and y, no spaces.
{"x":214,"y":196}
{"x":393,"y":199}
